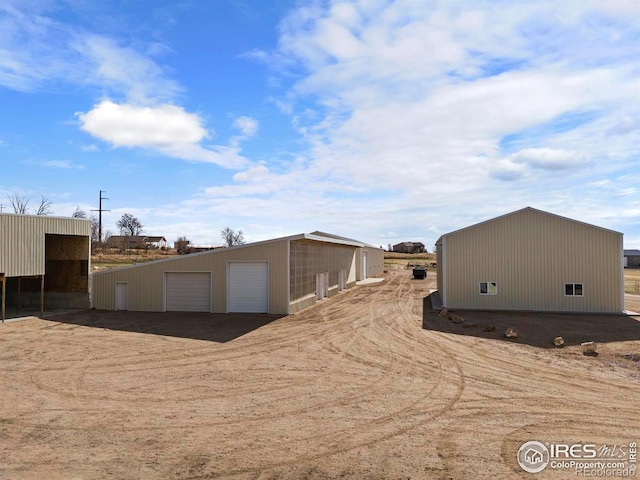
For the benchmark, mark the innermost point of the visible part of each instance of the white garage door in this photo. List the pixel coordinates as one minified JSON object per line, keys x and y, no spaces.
{"x":188,"y":291}
{"x":248,"y":287}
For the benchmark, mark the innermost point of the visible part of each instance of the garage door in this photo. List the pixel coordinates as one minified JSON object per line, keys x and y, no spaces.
{"x":188,"y":291}
{"x":248,"y":287}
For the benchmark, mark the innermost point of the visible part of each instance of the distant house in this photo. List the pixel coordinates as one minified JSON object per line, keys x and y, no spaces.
{"x":631,"y":258}
{"x":409,"y":247}
{"x":136,"y":241}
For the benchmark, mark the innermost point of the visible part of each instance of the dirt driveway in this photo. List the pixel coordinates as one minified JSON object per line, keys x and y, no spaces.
{"x":362,"y":386}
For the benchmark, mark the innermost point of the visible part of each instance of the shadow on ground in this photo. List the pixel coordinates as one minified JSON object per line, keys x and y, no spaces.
{"x":533,"y":328}
{"x":214,"y":327}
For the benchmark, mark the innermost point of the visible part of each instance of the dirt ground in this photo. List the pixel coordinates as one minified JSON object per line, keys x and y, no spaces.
{"x":364,"y":385}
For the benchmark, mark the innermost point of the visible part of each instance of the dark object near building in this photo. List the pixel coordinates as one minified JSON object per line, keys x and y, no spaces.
{"x":420,"y":272}
{"x":631,"y":258}
{"x":409,"y":247}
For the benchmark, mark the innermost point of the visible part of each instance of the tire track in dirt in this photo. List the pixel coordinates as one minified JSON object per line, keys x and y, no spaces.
{"x":341,"y":400}
{"x":343,"y":441}
{"x":351,"y":374}
{"x":204,"y":355}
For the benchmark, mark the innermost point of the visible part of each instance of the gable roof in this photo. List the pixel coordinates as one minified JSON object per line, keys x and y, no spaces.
{"x":337,"y":237}
{"x":517,"y":212}
{"x":632,"y":253}
{"x":315,"y":236}
{"x":139,"y":238}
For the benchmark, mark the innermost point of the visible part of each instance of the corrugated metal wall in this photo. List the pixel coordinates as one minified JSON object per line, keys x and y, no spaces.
{"x":308,"y":258}
{"x":440,"y":266}
{"x":146,"y":281}
{"x":375,"y":261}
{"x":531,"y":255}
{"x":22,"y":241}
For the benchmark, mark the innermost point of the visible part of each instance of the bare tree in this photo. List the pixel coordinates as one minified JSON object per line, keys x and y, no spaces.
{"x":181,"y":244}
{"x":95,"y":236}
{"x":79,"y":213}
{"x":129,"y":225}
{"x":45,"y":206}
{"x":231,"y":237}
{"x":20,"y":203}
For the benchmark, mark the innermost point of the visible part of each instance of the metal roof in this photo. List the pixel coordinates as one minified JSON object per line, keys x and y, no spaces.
{"x":439,"y":241}
{"x":316,"y":237}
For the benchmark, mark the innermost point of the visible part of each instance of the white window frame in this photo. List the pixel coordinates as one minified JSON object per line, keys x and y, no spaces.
{"x":573,"y":290}
{"x":490,"y":287}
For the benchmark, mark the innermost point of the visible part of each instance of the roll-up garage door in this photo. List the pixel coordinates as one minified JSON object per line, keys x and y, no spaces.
{"x":248,"y":287}
{"x":188,"y":291}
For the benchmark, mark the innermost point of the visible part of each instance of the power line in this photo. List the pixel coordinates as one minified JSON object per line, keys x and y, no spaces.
{"x":100,"y":210}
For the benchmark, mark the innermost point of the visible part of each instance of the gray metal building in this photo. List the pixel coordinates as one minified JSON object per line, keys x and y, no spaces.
{"x":279,"y":276}
{"x":44,"y":262}
{"x":409,"y":247}
{"x":632,"y":259}
{"x":532,"y":260}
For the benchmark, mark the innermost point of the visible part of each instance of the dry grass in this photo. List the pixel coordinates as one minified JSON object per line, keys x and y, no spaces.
{"x":396,"y":260}
{"x":103,"y":260}
{"x":632,"y":280}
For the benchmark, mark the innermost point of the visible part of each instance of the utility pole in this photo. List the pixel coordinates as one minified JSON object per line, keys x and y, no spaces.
{"x":100,"y":210}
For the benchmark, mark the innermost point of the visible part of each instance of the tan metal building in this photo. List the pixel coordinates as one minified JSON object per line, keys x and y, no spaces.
{"x":44,"y":262}
{"x":532,"y":260}
{"x":369,"y":259}
{"x":279,"y":276}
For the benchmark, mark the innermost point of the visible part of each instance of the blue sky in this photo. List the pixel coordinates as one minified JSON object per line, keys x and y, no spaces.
{"x":379,"y":120}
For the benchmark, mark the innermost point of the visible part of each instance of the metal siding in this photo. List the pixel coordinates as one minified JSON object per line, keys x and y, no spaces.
{"x":146,"y":280}
{"x":248,"y":287}
{"x":375,"y":261}
{"x":309,"y":258}
{"x":531,"y":255}
{"x":188,"y":291}
{"x":440,"y":272}
{"x":22,"y":241}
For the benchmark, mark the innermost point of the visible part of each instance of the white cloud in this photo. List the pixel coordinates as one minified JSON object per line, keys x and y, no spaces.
{"x":124,"y":69}
{"x":466,"y":102}
{"x":248,"y":126}
{"x":36,"y":50}
{"x":64,"y":164}
{"x":168,"y":129}
{"x":126,"y":125}
{"x":256,"y":173}
{"x":507,"y":170}
{"x":548,"y":158}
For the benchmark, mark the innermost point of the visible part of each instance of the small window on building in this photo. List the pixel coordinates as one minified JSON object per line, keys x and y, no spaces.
{"x":488,"y":288}
{"x":573,"y":289}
